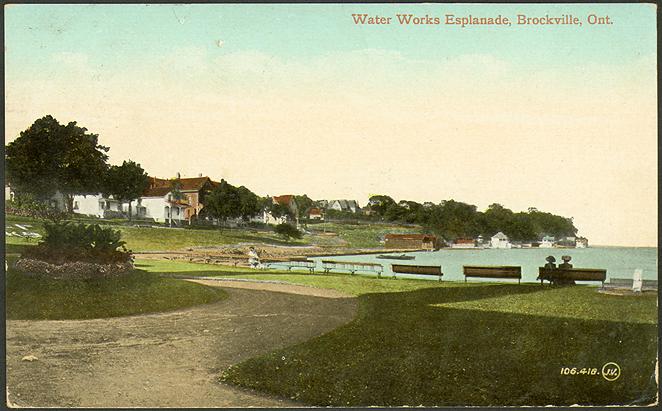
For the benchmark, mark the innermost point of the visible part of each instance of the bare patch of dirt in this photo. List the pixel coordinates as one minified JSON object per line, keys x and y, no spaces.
{"x":169,"y":359}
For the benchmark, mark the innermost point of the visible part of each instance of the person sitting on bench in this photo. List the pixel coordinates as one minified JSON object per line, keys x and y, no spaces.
{"x":566,"y":264}
{"x":550,"y":262}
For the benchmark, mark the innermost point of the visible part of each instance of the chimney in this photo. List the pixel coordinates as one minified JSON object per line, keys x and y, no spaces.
{"x":199,"y":174}
{"x":179,"y":175}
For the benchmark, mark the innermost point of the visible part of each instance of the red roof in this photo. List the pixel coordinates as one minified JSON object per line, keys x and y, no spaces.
{"x":464,"y":241}
{"x":284,"y":199}
{"x":315,"y":210}
{"x":421,"y":237}
{"x":156,"y":191}
{"x":186,"y":184}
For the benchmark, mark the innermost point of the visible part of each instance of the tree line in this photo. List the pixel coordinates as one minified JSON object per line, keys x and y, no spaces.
{"x":452,"y":219}
{"x":50,"y":157}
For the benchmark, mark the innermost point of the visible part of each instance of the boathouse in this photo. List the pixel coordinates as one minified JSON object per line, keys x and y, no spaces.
{"x":411,"y":241}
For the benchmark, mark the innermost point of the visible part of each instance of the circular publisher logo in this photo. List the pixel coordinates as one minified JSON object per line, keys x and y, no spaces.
{"x":611,"y":371}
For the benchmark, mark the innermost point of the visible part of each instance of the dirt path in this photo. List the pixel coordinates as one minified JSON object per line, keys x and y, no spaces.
{"x":163,"y":360}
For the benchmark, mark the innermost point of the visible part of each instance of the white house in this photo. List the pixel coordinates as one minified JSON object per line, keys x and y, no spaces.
{"x":500,"y":240}
{"x":343,"y":205}
{"x":547,"y":242}
{"x":96,"y":205}
{"x":157,"y":203}
{"x":582,"y":242}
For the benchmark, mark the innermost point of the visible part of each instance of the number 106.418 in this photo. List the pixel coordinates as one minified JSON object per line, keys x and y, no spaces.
{"x":578,"y":371}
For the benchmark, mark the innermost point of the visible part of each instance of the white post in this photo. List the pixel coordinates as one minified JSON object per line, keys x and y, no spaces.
{"x":636,"y":280}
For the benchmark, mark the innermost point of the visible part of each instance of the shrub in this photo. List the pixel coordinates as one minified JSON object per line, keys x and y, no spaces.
{"x":26,"y":205}
{"x":67,"y":242}
{"x":287,"y":231}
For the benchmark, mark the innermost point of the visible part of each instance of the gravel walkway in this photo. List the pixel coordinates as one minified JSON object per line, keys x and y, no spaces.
{"x":168,"y":359}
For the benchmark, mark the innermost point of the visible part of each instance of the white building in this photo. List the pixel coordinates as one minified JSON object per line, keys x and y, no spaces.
{"x":157,"y":203}
{"x":96,"y":205}
{"x":547,"y":242}
{"x":500,"y":240}
{"x":284,"y":200}
{"x":343,"y":205}
{"x":582,"y":242}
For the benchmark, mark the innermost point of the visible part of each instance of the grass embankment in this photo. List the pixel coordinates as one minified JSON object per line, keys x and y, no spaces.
{"x":140,"y":292}
{"x":424,"y":343}
{"x":365,"y":235}
{"x":362,"y":235}
{"x":163,"y":238}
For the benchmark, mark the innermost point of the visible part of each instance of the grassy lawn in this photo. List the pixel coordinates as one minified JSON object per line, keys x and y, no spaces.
{"x":364,"y":235}
{"x":163,"y":238}
{"x":168,"y":239}
{"x":353,"y":285}
{"x":414,"y":342}
{"x":406,"y":349}
{"x":140,"y":292}
{"x":420,"y":342}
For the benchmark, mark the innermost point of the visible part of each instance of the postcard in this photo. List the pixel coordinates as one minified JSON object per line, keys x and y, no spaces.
{"x":330,"y":205}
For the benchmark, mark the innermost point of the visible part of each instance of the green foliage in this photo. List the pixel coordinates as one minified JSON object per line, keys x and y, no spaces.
{"x":454,"y":219}
{"x":380,"y":203}
{"x":222,"y":202}
{"x":250,"y":203}
{"x":126,"y":182}
{"x":66,"y":241}
{"x":50,"y":157}
{"x":304,"y":204}
{"x":26,"y":205}
{"x":139,"y":292}
{"x":278,"y":210}
{"x":287,"y":231}
{"x":451,"y":345}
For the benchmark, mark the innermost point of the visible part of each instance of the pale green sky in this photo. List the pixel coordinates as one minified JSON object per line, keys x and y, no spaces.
{"x":299,"y":99}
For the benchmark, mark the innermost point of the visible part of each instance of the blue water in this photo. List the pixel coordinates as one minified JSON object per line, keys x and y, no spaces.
{"x":619,"y":262}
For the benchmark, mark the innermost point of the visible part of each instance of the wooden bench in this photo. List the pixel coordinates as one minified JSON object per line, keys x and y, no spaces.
{"x":290,"y":263}
{"x":575,"y":274}
{"x":417,"y":269}
{"x":301,"y":263}
{"x":352,"y":267}
{"x":492,"y":271}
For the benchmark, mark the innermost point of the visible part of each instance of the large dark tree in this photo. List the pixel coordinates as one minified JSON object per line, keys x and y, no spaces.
{"x":126,"y":182}
{"x":50,"y":157}
{"x":222,"y":202}
{"x":249,"y":203}
{"x":380,"y":203}
{"x":304,"y":203}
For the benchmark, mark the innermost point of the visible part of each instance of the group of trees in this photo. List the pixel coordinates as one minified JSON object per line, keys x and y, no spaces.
{"x":50,"y":157}
{"x":227,"y":201}
{"x":454,"y":219}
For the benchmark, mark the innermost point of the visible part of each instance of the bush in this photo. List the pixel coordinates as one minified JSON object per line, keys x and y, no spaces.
{"x":26,"y":205}
{"x":287,"y":231}
{"x":67,"y":242}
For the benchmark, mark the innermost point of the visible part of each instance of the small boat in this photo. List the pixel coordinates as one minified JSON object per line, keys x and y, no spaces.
{"x":396,"y":257}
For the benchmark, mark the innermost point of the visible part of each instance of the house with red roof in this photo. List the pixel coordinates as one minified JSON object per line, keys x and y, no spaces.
{"x":158,"y":200}
{"x":315,"y":213}
{"x":287,"y":201}
{"x":193,"y":189}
